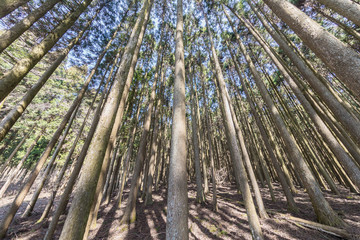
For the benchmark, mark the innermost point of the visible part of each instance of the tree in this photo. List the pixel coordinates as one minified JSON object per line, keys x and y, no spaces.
{"x":177,"y":200}
{"x":341,"y":59}
{"x":75,"y":223}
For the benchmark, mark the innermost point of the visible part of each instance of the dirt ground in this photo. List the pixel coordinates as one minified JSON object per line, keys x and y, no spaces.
{"x":230,"y":222}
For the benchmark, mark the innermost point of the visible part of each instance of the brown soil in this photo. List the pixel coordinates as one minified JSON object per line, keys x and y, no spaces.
{"x":230,"y":222}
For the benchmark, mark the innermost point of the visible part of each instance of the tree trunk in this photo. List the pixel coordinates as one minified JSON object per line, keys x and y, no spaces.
{"x":322,"y":208}
{"x":14,"y":32}
{"x":321,"y":127}
{"x":177,"y":197}
{"x":209,"y":135}
{"x":10,"y":119}
{"x":12,"y":77}
{"x":130,"y":210}
{"x":341,"y":59}
{"x":195,"y":139}
{"x":37,"y":192}
{"x":245,"y":154}
{"x":76,"y":220}
{"x":74,"y":174}
{"x":129,"y":152}
{"x":7,"y":6}
{"x":348,"y":121}
{"x":347,"y":8}
{"x":240,"y":172}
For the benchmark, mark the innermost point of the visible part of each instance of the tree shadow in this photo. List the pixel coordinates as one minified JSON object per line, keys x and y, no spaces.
{"x":106,"y":225}
{"x":203,"y":229}
{"x":140,"y":229}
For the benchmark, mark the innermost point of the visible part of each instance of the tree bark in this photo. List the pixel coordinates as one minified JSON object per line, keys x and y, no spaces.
{"x":76,"y":220}
{"x":7,"y":6}
{"x":341,"y":59}
{"x":177,"y":197}
{"x":200,"y":197}
{"x":347,"y":8}
{"x":322,"y":208}
{"x":239,"y":169}
{"x":12,"y":77}
{"x":14,"y":32}
{"x":10,"y":119}
{"x":348,"y":121}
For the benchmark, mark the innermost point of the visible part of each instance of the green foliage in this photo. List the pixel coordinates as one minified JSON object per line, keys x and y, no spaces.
{"x":277,"y":78}
{"x":47,"y":108}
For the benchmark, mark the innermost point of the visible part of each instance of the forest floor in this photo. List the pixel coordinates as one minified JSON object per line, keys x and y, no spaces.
{"x":230,"y":222}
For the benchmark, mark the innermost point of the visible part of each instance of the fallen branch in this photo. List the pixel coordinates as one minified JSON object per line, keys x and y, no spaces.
{"x":318,"y":226}
{"x":310,"y":224}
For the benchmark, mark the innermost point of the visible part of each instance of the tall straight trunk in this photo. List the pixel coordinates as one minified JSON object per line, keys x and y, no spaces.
{"x":328,"y":84}
{"x":7,"y":6}
{"x":342,"y":115}
{"x":347,"y":8}
{"x":69,"y":155}
{"x":159,"y":155}
{"x":77,"y":167}
{"x":209,"y":135}
{"x":146,"y":165}
{"x":321,"y":127}
{"x":10,"y":35}
{"x":10,"y":119}
{"x":105,"y":171}
{"x":153,"y":163}
{"x":155,"y":142}
{"x":345,"y":27}
{"x":40,"y":186}
{"x":200,"y":197}
{"x":177,"y":197}
{"x":202,"y":147}
{"x":341,"y":59}
{"x":12,"y":77}
{"x":115,"y":156}
{"x":255,"y":186}
{"x":240,"y":172}
{"x":112,"y":178}
{"x":261,"y":155}
{"x":130,"y":210}
{"x":129,"y":152}
{"x":77,"y":217}
{"x":148,"y":185}
{"x":116,"y":161}
{"x":323,"y":210}
{"x":18,"y":167}
{"x":112,"y":139}
{"x":24,"y":190}
{"x":162,"y":159}
{"x":335,"y":127}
